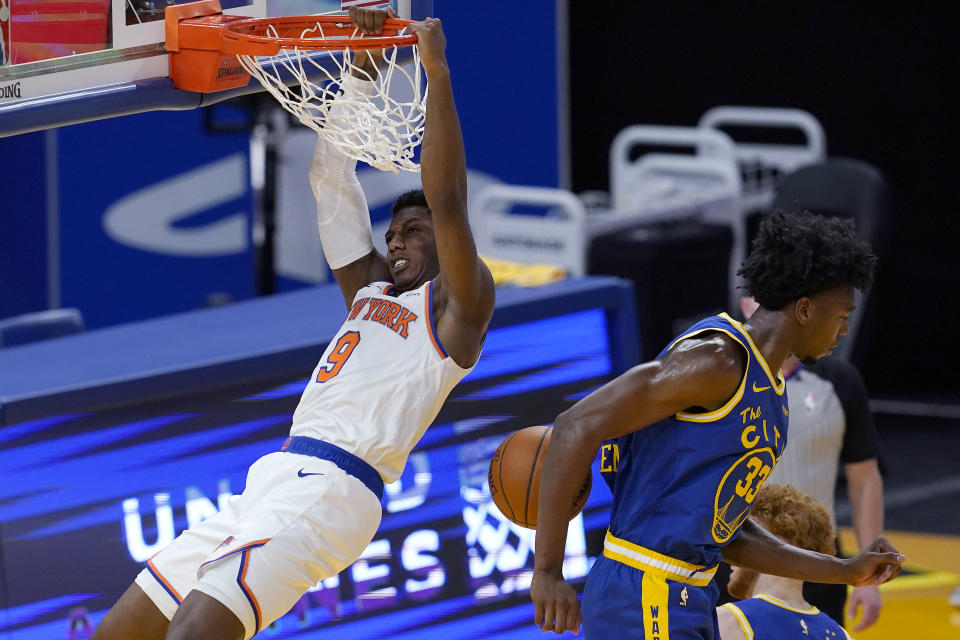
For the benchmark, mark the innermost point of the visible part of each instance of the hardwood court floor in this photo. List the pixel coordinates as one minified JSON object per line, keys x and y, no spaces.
{"x":915,"y":604}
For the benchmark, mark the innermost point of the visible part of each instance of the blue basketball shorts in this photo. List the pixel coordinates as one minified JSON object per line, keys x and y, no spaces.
{"x":621,"y":601}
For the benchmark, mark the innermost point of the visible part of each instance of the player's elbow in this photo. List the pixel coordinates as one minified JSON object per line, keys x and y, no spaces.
{"x":576,"y":430}
{"x":564,"y":427}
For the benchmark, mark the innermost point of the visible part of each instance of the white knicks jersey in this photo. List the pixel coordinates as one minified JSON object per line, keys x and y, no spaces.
{"x":381,"y":381}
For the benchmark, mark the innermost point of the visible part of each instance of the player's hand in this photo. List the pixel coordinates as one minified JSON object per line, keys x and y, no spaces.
{"x":869,"y":599}
{"x":366,"y":64}
{"x":431,"y":42}
{"x":371,"y":20}
{"x":878,"y":563}
{"x":556,"y":607}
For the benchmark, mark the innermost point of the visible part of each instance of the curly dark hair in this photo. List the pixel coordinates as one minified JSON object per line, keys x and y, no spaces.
{"x":413,"y":198}
{"x":796,"y":517}
{"x":801,"y":254}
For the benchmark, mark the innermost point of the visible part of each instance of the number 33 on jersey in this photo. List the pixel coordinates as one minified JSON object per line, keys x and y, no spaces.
{"x":704,"y":469}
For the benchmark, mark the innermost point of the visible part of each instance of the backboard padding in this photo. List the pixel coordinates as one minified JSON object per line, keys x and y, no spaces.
{"x":131,"y":74}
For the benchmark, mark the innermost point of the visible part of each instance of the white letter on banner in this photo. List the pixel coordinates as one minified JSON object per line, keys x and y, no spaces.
{"x":145,"y":219}
{"x":400,"y":499}
{"x":364,"y":573}
{"x":199,"y":506}
{"x":138,"y":548}
{"x":413,"y":558}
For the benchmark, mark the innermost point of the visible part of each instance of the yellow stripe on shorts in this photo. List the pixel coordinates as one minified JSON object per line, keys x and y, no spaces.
{"x":656,"y":619}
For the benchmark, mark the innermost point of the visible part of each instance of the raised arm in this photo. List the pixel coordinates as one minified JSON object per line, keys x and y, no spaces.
{"x":700,"y":372}
{"x":343,"y":221}
{"x":756,"y":548}
{"x":465,"y":281}
{"x":343,"y":218}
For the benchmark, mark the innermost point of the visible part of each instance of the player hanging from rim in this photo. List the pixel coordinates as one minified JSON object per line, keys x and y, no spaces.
{"x":775,"y":608}
{"x":691,"y":437}
{"x":416,"y":324}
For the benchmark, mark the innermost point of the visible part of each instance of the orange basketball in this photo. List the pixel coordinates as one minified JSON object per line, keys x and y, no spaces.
{"x":514,"y":476}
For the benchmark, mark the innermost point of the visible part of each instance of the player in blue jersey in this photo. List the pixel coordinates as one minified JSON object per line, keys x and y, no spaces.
{"x":774,"y":608}
{"x":688,"y":439}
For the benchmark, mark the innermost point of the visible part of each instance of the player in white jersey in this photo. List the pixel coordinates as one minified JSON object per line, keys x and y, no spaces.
{"x":415,"y":325}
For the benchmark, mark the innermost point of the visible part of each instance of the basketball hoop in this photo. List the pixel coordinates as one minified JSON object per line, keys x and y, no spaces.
{"x":374,"y":118}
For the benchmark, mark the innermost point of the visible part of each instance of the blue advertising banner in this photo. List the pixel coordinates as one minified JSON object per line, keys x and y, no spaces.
{"x":24,"y":197}
{"x":509,"y":76}
{"x":145,"y":215}
{"x":88,"y":496}
{"x":154,"y":216}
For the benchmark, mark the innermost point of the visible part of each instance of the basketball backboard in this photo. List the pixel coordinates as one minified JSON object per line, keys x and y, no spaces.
{"x":69,"y":61}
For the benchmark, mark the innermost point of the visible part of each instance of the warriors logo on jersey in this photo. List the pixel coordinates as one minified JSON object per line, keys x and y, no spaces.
{"x":739,"y":485}
{"x":704,"y":469}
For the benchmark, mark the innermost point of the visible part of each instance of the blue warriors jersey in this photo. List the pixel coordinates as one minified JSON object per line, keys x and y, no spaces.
{"x":682,"y":487}
{"x":764,"y":617}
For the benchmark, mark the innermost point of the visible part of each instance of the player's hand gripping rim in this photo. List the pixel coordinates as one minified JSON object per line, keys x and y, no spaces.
{"x":556,"y":606}
{"x":432,"y":44}
{"x":370,"y":21}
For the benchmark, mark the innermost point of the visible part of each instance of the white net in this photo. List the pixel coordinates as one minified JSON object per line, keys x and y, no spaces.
{"x":378,"y":118}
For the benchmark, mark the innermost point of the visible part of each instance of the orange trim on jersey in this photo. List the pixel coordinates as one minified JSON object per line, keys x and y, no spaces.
{"x":241,"y":580}
{"x":163,"y":581}
{"x":386,"y":290}
{"x":431,"y":330}
{"x":246,"y":547}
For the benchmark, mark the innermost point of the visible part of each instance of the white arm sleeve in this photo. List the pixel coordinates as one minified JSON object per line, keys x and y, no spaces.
{"x":343,"y":218}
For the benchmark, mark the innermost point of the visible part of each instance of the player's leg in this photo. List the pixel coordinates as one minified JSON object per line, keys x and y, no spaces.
{"x":304,"y":529}
{"x":610,"y":601}
{"x":133,"y":617}
{"x":203,"y":617}
{"x":145,"y":609}
{"x":668,"y":609}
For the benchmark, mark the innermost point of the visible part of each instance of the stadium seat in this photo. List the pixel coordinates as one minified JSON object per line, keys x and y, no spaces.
{"x":41,"y":325}
{"x":851,"y":189}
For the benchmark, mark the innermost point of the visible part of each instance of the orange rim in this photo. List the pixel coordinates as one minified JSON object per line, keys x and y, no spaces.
{"x":249,"y":36}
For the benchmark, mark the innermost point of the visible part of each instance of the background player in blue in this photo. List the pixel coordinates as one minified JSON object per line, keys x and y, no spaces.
{"x":687,"y":441}
{"x":775,"y":608}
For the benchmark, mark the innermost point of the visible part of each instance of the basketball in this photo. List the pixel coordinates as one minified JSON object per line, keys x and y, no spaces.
{"x":514,"y":476}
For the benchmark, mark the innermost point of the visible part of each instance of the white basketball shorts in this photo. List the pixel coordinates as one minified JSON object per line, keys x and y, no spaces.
{"x":299,"y":520}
